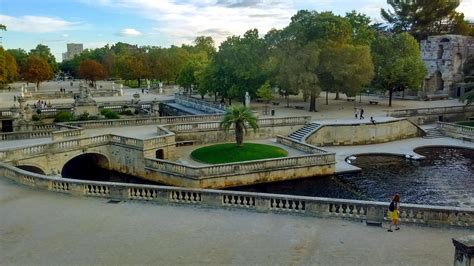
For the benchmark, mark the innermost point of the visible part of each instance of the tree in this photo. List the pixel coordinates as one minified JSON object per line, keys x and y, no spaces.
{"x":8,"y":67}
{"x":397,"y":63}
{"x":240,"y":117}
{"x":468,"y":97}
{"x":91,"y":70}
{"x":37,"y":70}
{"x":426,"y":17}
{"x":468,"y":69}
{"x":44,"y":52}
{"x":186,"y":76}
{"x":20,"y":56}
{"x":266,"y":94}
{"x":362,"y":32}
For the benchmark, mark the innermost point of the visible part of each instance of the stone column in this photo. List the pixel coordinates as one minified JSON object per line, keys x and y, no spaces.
{"x":464,"y":251}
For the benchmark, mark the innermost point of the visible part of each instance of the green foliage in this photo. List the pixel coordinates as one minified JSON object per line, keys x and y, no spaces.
{"x":425,"y":18}
{"x":109,"y":114}
{"x":36,"y":117}
{"x":63,"y":117}
{"x":468,"y":69}
{"x":85,"y":117}
{"x":265,"y":92}
{"x":126,"y":112}
{"x":362,"y":32}
{"x":8,"y":67}
{"x":397,"y":62}
{"x":466,"y":123}
{"x":468,"y":96}
{"x":230,"y":152}
{"x":44,"y":52}
{"x":240,"y":117}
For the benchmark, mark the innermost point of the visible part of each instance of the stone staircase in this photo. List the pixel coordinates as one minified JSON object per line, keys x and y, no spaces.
{"x":433,"y":133}
{"x":302,"y":133}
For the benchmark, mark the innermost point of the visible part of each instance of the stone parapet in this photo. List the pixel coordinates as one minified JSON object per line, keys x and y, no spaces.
{"x":456,"y":131}
{"x":268,"y":203}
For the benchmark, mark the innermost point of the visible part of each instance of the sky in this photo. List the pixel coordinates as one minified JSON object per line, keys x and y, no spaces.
{"x":96,"y":23}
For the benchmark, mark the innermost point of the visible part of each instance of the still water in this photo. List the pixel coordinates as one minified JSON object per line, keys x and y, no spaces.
{"x":445,"y":177}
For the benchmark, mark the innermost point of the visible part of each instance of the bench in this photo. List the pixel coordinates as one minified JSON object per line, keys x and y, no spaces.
{"x":350,"y":100}
{"x":275,"y":103}
{"x":373,"y":102}
{"x":299,"y":107}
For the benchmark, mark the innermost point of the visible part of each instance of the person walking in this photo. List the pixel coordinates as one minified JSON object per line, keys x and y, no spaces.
{"x":361,"y":113}
{"x":372,"y":120}
{"x":394,"y":212}
{"x":356,"y":112}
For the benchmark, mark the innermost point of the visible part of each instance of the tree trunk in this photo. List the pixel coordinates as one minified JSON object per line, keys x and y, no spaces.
{"x":239,"y":134}
{"x":390,"y":92}
{"x":139,"y":82}
{"x":327,"y":96}
{"x":37,"y":85}
{"x":288,"y":101}
{"x":337,"y":95}
{"x":312,"y":102}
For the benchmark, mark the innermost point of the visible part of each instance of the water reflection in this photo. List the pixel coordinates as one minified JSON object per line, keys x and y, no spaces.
{"x":445,"y":177}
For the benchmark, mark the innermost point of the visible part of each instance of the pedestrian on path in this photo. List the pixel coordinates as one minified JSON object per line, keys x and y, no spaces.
{"x":394,"y":212}
{"x":356,"y":112}
{"x":372,"y":120}
{"x":361,"y":113}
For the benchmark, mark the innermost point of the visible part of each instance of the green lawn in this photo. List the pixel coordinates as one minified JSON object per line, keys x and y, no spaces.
{"x":467,"y":123}
{"x":229,"y":153}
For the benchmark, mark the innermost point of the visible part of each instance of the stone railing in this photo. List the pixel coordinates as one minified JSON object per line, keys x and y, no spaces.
{"x":202,"y":172}
{"x":259,"y":202}
{"x":430,"y":111}
{"x":67,"y":133}
{"x":456,"y":131}
{"x":72,"y":144}
{"x":304,"y":147}
{"x":26,"y":135}
{"x":214,"y":125}
{"x":198,"y":104}
{"x":143,"y":121}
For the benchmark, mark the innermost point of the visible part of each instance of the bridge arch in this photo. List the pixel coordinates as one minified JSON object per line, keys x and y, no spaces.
{"x":31,"y":168}
{"x":88,"y":166}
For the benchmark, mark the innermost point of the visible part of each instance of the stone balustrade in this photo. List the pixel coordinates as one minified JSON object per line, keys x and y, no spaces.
{"x":266,"y":203}
{"x":26,"y":135}
{"x":208,"y":171}
{"x":68,"y":133}
{"x":214,"y":125}
{"x":199,"y":104}
{"x":304,"y":147}
{"x":456,"y":131}
{"x":143,"y":121}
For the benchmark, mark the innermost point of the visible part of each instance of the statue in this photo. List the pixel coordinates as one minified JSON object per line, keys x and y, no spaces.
{"x":247,"y":99}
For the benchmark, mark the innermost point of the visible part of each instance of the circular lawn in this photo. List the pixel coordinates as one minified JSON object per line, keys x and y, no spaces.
{"x":230,"y":152}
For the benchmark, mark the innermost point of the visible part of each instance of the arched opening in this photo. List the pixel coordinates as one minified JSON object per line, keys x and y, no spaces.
{"x":159,"y":154}
{"x":88,"y":166}
{"x":31,"y":168}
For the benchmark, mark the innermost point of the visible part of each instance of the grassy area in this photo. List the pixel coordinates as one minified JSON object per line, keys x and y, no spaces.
{"x":229,"y":152}
{"x":466,"y":123}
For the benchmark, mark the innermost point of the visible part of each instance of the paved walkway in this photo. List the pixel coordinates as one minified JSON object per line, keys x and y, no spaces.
{"x":45,"y":228}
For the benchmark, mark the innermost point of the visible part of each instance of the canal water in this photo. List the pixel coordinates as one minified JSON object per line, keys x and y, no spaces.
{"x":445,"y":177}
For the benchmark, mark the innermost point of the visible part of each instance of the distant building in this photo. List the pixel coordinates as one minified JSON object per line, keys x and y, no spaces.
{"x":72,"y":50}
{"x":444,"y":56}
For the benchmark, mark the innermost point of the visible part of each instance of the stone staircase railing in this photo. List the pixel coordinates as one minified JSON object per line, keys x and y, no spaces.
{"x":456,"y":131}
{"x":304,"y":147}
{"x":259,"y":202}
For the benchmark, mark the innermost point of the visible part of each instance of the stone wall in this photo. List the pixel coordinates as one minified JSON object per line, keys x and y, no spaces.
{"x":359,"y":134}
{"x":444,"y":56}
{"x":422,"y":116}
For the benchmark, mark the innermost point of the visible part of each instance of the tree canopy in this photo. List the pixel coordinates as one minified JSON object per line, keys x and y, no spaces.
{"x":37,"y":70}
{"x":91,"y":70}
{"x":398,"y":64}
{"x":422,"y":18}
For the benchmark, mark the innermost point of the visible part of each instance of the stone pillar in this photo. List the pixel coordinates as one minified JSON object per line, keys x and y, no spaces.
{"x":464,"y":251}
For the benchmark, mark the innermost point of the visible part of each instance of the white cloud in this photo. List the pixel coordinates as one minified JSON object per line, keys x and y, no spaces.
{"x":37,"y":24}
{"x":129,"y":33}
{"x":467,"y":7}
{"x":182,"y":21}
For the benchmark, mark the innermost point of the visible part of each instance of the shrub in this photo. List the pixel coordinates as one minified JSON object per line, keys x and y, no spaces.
{"x":36,"y":117}
{"x":63,"y":117}
{"x":109,"y":114}
{"x":83,"y":117}
{"x":126,"y":112}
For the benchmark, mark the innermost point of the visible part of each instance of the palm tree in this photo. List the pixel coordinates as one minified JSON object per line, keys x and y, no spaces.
{"x":241,"y":117}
